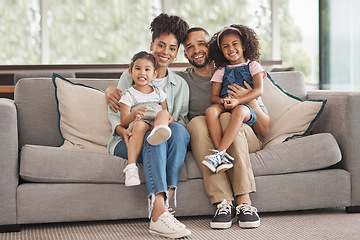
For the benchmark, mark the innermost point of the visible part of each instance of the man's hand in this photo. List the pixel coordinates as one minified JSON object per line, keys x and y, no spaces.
{"x":237,"y":92}
{"x":113,"y":95}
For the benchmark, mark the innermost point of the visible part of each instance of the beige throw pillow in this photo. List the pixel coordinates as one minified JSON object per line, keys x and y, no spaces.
{"x":83,"y":118}
{"x":290,"y":116}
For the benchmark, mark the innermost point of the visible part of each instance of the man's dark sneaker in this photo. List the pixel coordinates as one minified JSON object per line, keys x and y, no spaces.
{"x":248,"y":216}
{"x":224,"y":216}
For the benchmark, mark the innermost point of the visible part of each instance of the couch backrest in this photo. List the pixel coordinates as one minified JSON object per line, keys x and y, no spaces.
{"x":37,"y":110}
{"x":291,"y":81}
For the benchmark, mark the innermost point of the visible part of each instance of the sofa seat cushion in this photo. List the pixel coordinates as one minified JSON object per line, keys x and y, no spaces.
{"x":308,"y":153}
{"x":53,"y":165}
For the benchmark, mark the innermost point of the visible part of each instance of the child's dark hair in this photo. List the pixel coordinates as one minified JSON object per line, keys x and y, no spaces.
{"x":143,"y":54}
{"x":249,"y":41}
{"x":169,"y":24}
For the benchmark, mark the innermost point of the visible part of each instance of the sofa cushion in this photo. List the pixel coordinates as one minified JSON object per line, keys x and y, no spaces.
{"x":83,"y":119}
{"x":37,"y":110}
{"x":290,"y":116}
{"x":54,"y":165}
{"x":308,"y":153}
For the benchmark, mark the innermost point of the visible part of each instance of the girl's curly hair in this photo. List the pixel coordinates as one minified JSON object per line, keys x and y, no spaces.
{"x":249,"y":41}
{"x":169,"y":24}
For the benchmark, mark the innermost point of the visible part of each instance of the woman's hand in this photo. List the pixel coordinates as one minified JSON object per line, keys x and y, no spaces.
{"x":171,"y":119}
{"x":113,"y":95}
{"x":125,"y":133}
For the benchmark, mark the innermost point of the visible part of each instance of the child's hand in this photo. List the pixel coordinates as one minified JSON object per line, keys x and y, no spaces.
{"x":230,"y":103}
{"x":139,"y":112}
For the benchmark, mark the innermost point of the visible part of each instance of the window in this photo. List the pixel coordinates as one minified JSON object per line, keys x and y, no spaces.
{"x":91,"y":31}
{"x":340,"y":44}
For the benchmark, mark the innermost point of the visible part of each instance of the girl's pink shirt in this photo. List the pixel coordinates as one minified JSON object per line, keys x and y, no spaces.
{"x":254,"y":68}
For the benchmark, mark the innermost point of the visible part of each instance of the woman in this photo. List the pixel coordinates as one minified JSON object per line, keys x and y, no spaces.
{"x":161,"y":163}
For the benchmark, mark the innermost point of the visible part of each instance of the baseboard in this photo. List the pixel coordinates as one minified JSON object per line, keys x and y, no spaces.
{"x":353,"y":209}
{"x":9,"y":228}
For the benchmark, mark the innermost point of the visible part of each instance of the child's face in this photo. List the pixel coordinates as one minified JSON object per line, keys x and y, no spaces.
{"x":142,"y":72}
{"x":232,"y":49}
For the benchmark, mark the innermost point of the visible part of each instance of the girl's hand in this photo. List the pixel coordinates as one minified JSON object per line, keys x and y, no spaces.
{"x":125,"y":133}
{"x":113,"y":95}
{"x":171,"y":119}
{"x":139,"y":112}
{"x":230,"y":103}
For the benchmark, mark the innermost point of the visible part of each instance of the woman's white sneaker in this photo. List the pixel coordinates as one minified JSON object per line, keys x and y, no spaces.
{"x":159,"y":135}
{"x":168,"y":226}
{"x":131,"y":175}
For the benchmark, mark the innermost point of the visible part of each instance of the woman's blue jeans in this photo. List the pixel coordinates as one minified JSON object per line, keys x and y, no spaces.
{"x":162,"y":163}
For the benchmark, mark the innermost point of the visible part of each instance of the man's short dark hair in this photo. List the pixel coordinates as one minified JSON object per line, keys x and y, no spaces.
{"x":197,"y":29}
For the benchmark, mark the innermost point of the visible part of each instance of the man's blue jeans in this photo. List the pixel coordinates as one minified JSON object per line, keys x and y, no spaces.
{"x":162,"y":163}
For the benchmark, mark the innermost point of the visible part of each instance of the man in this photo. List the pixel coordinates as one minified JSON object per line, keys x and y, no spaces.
{"x":238,"y":181}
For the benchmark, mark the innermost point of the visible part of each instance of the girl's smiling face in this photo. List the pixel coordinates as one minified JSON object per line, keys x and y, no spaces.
{"x":232,"y":49}
{"x":164,"y":49}
{"x":142,"y":72}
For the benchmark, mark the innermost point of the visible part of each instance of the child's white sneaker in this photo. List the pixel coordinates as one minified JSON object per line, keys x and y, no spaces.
{"x":131,"y":175}
{"x":168,"y":226}
{"x":158,"y":135}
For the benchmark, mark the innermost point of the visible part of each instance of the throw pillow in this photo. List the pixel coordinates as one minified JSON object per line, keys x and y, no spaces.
{"x":83,"y":118}
{"x":290,"y":116}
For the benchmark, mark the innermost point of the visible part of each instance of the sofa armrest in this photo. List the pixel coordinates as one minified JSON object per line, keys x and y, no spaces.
{"x":341,"y":118}
{"x":9,"y":173}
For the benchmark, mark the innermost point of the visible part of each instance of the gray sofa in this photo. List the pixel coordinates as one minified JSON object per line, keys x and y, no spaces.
{"x":42,"y":183}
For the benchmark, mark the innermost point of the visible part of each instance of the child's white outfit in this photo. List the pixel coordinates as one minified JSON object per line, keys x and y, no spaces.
{"x":159,"y":134}
{"x":151,"y":101}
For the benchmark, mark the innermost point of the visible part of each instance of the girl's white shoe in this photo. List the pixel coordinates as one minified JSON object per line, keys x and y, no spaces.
{"x":131,"y":175}
{"x":159,"y":135}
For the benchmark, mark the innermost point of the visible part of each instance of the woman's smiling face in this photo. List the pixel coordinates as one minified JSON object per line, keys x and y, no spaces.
{"x":165,"y":49}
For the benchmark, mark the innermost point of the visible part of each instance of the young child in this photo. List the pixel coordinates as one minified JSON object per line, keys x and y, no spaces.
{"x":234,"y":51}
{"x":142,"y":108}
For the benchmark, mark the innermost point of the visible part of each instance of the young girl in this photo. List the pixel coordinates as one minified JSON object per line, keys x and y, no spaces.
{"x":143,"y":107}
{"x":234,"y":50}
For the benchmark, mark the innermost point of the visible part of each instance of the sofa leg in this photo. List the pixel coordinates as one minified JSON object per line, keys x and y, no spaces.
{"x":353,"y":209}
{"x":9,"y":228}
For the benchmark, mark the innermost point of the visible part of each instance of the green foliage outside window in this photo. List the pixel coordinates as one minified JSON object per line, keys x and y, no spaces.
{"x":111,"y":31}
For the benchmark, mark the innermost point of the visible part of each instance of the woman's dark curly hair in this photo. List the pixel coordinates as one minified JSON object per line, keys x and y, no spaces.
{"x":249,"y":41}
{"x":169,"y":24}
